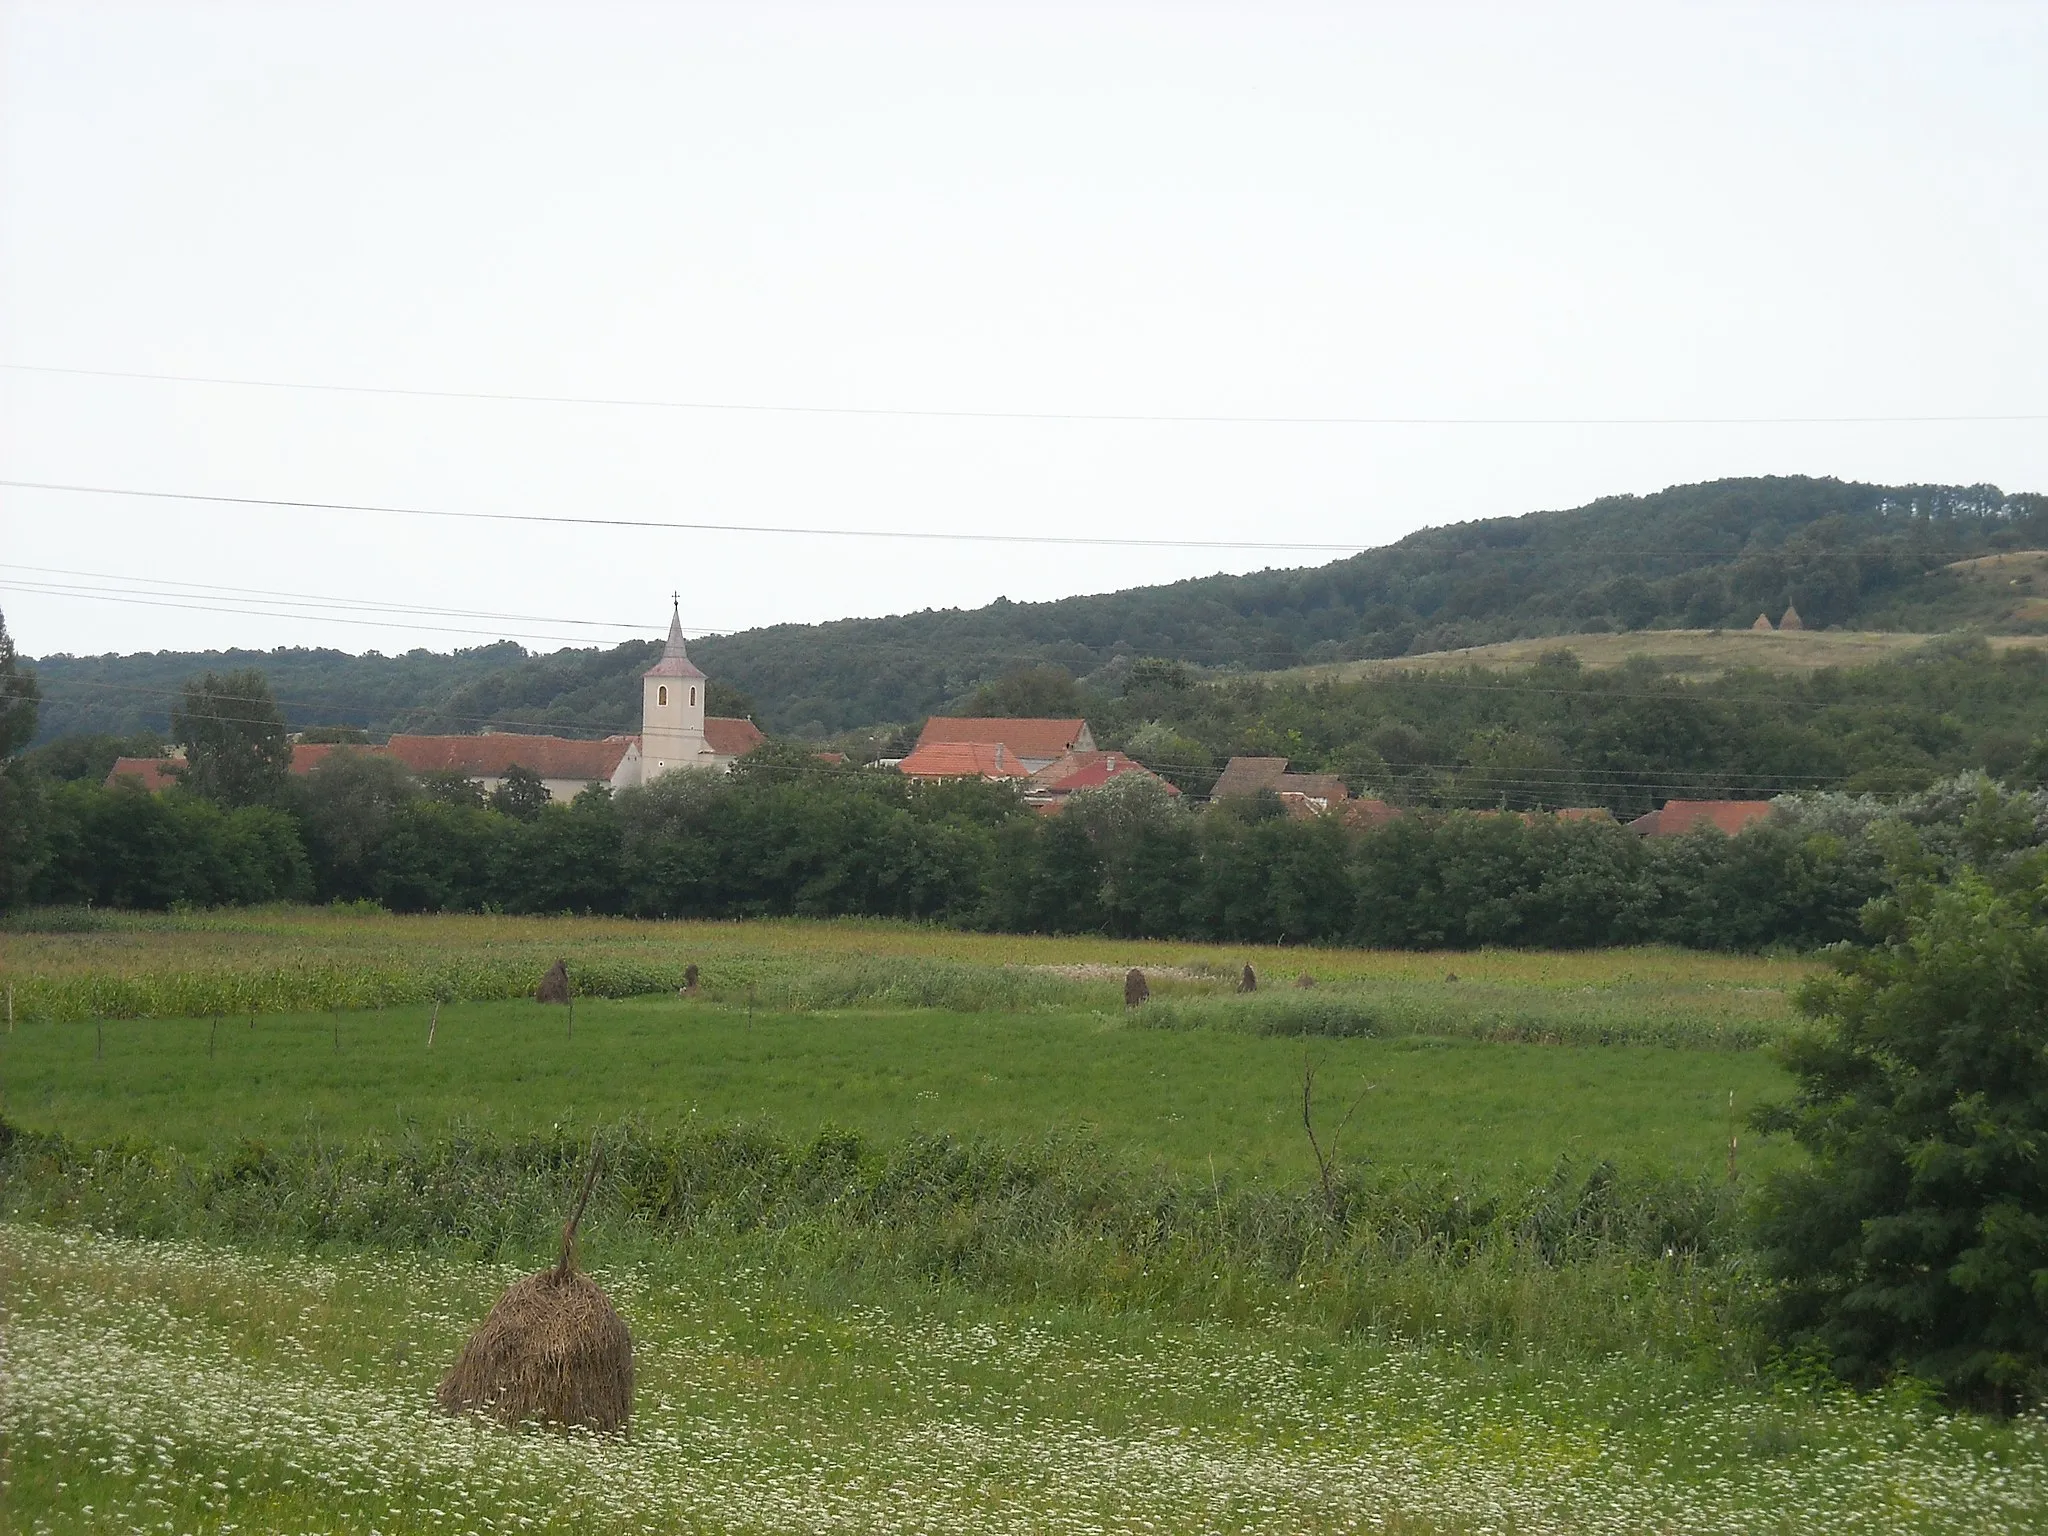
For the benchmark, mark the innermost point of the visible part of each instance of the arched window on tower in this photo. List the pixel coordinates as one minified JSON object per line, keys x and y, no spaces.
{"x":693,"y":698}
{"x":661,"y":695}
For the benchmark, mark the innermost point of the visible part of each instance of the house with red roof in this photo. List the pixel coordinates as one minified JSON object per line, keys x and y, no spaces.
{"x":1073,"y":772}
{"x":1681,"y":816}
{"x":1031,"y":743}
{"x":963,"y":760}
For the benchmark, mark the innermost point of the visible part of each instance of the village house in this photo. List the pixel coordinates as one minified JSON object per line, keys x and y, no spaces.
{"x":1048,"y":789}
{"x":1681,"y":816}
{"x":675,"y":732}
{"x":1027,"y":744}
{"x":1304,"y":794}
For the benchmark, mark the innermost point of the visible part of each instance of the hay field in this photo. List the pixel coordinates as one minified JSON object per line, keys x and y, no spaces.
{"x":1693,"y":654}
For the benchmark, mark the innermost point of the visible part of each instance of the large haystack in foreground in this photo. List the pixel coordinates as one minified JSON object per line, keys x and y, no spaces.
{"x":552,"y":1350}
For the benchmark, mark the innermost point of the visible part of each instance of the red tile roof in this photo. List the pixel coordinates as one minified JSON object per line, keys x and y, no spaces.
{"x":730,"y":738}
{"x":1025,"y":738}
{"x":1090,"y":770}
{"x":963,"y":760}
{"x":1729,"y":816}
{"x":492,"y":755}
{"x":151,"y":773}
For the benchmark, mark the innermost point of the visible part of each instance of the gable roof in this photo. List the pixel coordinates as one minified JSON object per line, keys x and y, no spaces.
{"x":1024,"y":737}
{"x":150,"y":773}
{"x":731,"y":738}
{"x":1729,"y":816}
{"x":963,"y":760}
{"x":1089,"y":770}
{"x":1249,"y":775}
{"x":493,"y":754}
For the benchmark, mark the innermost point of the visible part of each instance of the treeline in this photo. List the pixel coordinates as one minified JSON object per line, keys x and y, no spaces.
{"x":786,"y":835}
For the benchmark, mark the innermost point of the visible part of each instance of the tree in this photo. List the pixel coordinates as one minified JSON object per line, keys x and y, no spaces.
{"x":347,"y":804}
{"x":234,"y":739}
{"x":20,"y":801}
{"x":520,"y":794}
{"x":1028,"y":692}
{"x":1917,"y":1239}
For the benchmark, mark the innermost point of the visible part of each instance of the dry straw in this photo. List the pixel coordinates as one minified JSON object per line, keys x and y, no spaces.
{"x":551,"y":1350}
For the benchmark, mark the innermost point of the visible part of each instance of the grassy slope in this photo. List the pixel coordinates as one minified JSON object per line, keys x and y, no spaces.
{"x":1500,"y":1112}
{"x":1694,"y":654}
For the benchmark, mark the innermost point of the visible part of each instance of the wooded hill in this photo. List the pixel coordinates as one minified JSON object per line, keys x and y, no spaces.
{"x":1698,"y":556}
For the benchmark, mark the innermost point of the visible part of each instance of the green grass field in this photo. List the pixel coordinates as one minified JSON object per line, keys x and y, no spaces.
{"x":1496,"y":1111}
{"x":1072,"y":1273}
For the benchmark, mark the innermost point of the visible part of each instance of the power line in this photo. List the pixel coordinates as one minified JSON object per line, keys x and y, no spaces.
{"x":631,"y":522}
{"x":157,"y":585}
{"x":1133,"y":417}
{"x":410,"y":625}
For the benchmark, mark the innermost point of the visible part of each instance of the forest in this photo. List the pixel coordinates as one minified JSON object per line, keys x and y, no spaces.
{"x":1698,"y":556}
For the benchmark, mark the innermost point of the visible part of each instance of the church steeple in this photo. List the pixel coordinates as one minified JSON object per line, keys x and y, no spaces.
{"x":674,"y":650}
{"x":672,"y":708}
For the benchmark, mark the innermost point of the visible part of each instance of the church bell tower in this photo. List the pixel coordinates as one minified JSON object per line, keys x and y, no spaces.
{"x":672,"y":709}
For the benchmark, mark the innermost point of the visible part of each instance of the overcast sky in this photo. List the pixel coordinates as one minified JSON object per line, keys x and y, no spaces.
{"x":1414,"y":211}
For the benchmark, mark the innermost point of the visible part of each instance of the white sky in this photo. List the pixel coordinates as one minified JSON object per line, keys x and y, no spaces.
{"x":1433,"y":211}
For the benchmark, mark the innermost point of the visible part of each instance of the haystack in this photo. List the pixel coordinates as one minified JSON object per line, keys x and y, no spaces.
{"x":1249,"y":981}
{"x":551,"y":1350}
{"x":554,"y":987}
{"x":1135,"y":990}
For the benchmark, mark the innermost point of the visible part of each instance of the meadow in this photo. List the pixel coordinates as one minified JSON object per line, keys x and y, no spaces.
{"x":916,"y":1230}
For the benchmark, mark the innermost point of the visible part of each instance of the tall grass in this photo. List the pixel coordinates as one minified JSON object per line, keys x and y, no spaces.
{"x":1584,"y":1261}
{"x":312,"y":987}
{"x":1476,"y":1013}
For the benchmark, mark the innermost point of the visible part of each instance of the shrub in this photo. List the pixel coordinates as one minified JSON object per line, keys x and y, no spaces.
{"x":1917,"y":1241}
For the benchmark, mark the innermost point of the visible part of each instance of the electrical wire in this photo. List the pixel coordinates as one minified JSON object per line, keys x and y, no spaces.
{"x":1150,"y":418}
{"x":161,"y":586}
{"x":947,"y":537}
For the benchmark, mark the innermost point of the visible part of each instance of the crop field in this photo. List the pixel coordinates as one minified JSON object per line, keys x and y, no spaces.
{"x":916,"y":1231}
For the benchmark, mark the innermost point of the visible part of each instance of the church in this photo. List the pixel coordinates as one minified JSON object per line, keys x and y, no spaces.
{"x":675,"y":732}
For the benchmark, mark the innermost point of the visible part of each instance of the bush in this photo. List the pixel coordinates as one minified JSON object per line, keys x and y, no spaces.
{"x":1917,"y":1241}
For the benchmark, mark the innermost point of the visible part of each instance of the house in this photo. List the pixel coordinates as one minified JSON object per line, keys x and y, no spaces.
{"x":1680,"y":816}
{"x":150,"y":774}
{"x":963,"y":760}
{"x":675,"y":732}
{"x":1049,"y":787}
{"x":1304,"y":794}
{"x":566,"y":767}
{"x":1032,"y":744}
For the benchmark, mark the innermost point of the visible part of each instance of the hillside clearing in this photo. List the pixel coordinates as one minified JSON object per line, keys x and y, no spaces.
{"x":1692,"y":654}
